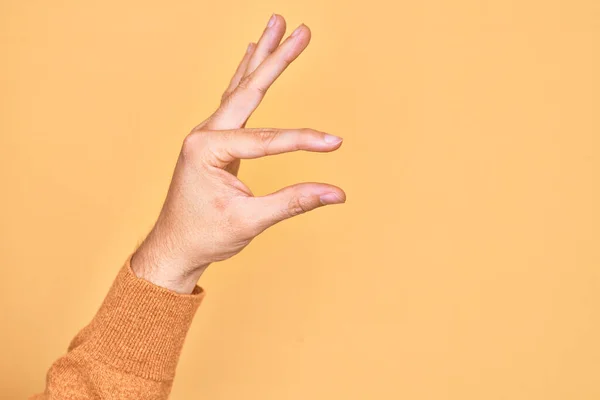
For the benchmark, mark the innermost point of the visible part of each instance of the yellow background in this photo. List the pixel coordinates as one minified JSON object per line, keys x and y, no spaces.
{"x":465,"y":264}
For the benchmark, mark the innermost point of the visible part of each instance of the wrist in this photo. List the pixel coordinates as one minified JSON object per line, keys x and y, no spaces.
{"x":155,"y":266}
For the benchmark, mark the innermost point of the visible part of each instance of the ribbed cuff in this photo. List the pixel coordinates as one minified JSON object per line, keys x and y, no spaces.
{"x":140,"y":327}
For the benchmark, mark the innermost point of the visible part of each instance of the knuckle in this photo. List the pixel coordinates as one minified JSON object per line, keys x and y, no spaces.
{"x":265,"y":133}
{"x":265,"y":137}
{"x":247,"y":83}
{"x":298,"y":205}
{"x":306,"y":134}
{"x":225,"y":95}
{"x":311,"y":134}
{"x":193,"y":143}
{"x":287,"y":60}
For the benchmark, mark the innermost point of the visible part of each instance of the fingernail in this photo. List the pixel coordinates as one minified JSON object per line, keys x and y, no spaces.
{"x":330,"y":198}
{"x":272,"y":21}
{"x":249,"y":49}
{"x":297,"y":31}
{"x":331,"y":139}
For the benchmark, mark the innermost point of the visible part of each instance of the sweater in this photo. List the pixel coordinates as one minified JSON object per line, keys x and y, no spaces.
{"x":130,"y":348}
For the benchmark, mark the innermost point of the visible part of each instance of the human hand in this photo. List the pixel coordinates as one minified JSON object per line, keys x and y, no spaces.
{"x":209,"y":215}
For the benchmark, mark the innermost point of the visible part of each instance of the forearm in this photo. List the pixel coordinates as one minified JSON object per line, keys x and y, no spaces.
{"x":131,"y":347}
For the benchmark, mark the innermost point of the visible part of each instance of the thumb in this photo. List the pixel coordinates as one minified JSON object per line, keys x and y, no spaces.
{"x":294,"y":200}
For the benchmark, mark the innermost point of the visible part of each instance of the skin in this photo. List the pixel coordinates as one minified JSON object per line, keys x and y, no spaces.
{"x":209,"y":215}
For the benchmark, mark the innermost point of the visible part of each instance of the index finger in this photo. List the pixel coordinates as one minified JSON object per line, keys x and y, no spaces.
{"x":223,"y":147}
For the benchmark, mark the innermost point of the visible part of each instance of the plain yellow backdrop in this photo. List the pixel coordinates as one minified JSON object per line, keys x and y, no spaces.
{"x":465,"y":264}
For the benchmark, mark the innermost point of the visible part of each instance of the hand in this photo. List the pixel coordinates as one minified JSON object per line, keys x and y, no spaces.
{"x":209,"y":215}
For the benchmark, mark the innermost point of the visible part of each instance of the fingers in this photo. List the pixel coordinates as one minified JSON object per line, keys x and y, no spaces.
{"x":291,"y":201}
{"x":239,"y":106}
{"x":224,"y":147}
{"x":274,"y":65}
{"x":268,"y":42}
{"x":240,"y":71}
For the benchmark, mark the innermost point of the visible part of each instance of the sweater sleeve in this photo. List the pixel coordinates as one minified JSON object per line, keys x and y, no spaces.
{"x":131,"y":347}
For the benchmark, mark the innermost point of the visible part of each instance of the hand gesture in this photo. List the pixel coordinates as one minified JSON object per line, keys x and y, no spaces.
{"x":209,"y":215}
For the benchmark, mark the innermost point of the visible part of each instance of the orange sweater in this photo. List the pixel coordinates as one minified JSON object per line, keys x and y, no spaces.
{"x":131,"y":347}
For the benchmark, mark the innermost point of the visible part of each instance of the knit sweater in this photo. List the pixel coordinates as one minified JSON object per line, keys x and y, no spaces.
{"x":130,"y":348}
